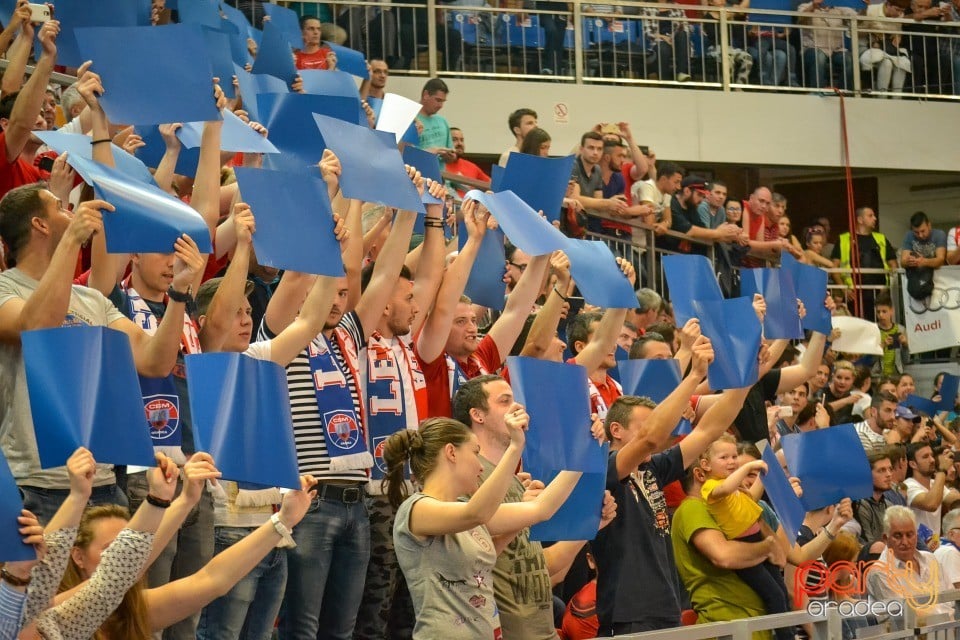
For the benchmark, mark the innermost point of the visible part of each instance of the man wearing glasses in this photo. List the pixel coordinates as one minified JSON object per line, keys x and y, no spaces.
{"x":517,"y":262}
{"x":948,"y":553}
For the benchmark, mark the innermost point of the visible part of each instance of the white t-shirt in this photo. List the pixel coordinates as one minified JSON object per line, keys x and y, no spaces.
{"x":929,"y":518}
{"x":948,"y":557}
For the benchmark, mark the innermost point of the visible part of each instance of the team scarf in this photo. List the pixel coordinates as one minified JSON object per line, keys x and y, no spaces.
{"x":391,"y":385}
{"x":597,"y":403}
{"x":455,"y":375}
{"x":343,"y":429}
{"x":161,"y":402}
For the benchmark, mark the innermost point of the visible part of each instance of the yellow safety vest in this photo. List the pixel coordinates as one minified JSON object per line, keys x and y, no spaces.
{"x":844,"y":240}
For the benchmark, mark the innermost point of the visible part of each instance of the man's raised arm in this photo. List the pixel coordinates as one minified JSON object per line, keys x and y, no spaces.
{"x":27,"y":106}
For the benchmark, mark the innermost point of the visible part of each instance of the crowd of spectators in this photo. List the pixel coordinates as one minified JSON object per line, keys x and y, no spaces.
{"x":685,"y":532}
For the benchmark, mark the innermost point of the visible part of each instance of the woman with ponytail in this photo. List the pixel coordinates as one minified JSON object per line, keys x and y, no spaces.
{"x":444,"y":541}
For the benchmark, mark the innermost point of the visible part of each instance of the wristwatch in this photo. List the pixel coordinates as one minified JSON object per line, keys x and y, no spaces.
{"x":285,"y":533}
{"x":176,"y":296}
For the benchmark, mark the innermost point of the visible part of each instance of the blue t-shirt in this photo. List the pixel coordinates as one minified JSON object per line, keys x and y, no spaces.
{"x":925,"y":248}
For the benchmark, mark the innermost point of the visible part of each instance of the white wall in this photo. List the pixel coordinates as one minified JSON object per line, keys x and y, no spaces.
{"x":712,"y":126}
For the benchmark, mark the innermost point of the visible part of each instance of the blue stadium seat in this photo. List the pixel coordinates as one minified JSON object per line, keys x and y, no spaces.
{"x":524,"y":31}
{"x":615,"y":32}
{"x":568,"y":35}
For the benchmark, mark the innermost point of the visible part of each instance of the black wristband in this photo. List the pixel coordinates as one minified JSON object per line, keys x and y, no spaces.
{"x":13,"y":580}
{"x":159,"y":503}
{"x":430,"y":223}
{"x":92,"y":142}
{"x":562,"y":297}
{"x":176,"y":296}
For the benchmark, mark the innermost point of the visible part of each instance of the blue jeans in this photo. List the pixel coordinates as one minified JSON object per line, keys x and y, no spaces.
{"x":44,"y":503}
{"x":249,"y":610}
{"x":818,"y":69}
{"x":327,"y":570}
{"x":775,"y":61}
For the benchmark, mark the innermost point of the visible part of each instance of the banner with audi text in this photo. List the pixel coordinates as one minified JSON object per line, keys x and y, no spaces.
{"x":934,"y":323}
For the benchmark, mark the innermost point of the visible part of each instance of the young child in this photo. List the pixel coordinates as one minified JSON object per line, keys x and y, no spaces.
{"x":738,"y":514}
{"x":892,"y":336}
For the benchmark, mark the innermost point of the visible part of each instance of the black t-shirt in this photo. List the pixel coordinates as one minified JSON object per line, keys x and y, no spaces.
{"x":870,"y":257}
{"x":637,"y":576}
{"x":751,"y":422}
{"x":682,"y":220}
{"x":842,"y":415}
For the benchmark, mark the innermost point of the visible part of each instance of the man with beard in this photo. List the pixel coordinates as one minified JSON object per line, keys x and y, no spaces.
{"x":868,"y":512}
{"x":880,"y":416}
{"x":460,"y":165}
{"x":926,"y":487}
{"x":376,"y":85}
{"x":330,"y":427}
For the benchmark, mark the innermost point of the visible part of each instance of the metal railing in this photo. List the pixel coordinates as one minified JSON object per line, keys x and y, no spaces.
{"x":825,"y":627}
{"x":667,"y":44}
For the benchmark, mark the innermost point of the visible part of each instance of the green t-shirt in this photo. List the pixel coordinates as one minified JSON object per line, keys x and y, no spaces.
{"x":717,"y":594}
{"x":889,"y":358}
{"x":436,"y":132}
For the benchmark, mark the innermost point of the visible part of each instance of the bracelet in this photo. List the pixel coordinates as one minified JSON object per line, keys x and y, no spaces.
{"x":159,"y":503}
{"x":176,"y":296}
{"x":562,"y":297}
{"x":13,"y":580}
{"x":92,"y":142}
{"x":430,"y":223}
{"x":830,"y":536}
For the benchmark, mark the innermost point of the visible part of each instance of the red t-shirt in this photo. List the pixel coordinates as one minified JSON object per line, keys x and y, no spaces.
{"x":315,"y":60}
{"x":580,"y":620}
{"x":770,"y":232}
{"x":17,"y":173}
{"x":626,"y":169}
{"x":467,"y":169}
{"x":486,"y":359}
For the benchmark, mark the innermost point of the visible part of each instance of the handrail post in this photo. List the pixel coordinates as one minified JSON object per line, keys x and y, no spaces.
{"x":432,"y":40}
{"x":725,"y":71}
{"x":577,"y":42}
{"x":855,"y":48}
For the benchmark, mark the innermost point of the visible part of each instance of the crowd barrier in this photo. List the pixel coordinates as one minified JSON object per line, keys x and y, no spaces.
{"x":721,"y":48}
{"x":823,"y":627}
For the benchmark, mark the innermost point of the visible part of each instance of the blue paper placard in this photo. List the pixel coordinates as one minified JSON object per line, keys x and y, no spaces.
{"x":689,"y":278}
{"x":523,"y":226}
{"x":350,"y":60}
{"x":485,"y":286}
{"x":236,"y":17}
{"x":540,"y":182}
{"x":78,"y":146}
{"x":782,"y":497}
{"x":598,"y":276}
{"x":655,"y":379}
{"x":274,"y":56}
{"x":428,"y":166}
{"x":101,"y":410}
{"x":831,"y":465}
{"x":293,"y":130}
{"x":579,"y":517}
{"x":411,"y":137}
{"x":294,"y":221}
{"x":329,"y":83}
{"x":75,"y":14}
{"x":221,"y":58}
{"x":949,"y":387}
{"x":12,"y":547}
{"x":811,"y":287}
{"x":236,"y":136}
{"x":496,"y":177}
{"x":734,"y":330}
{"x":373,"y":169}
{"x":151,"y":75}
{"x":187,"y":160}
{"x":286,"y":21}
{"x":919,"y":404}
{"x":202,"y":12}
{"x":376,"y":104}
{"x":776,"y":286}
{"x":146,"y":220}
{"x":241,"y":417}
{"x":558,"y":436}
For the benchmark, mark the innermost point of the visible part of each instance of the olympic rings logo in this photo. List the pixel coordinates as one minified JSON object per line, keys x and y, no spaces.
{"x":941,"y":299}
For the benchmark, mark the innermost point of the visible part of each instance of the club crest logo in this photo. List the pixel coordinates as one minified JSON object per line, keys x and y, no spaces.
{"x":163,"y":415}
{"x":342,"y":429}
{"x":378,"y":446}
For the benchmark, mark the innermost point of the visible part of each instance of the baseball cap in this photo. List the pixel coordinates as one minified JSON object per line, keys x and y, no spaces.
{"x":209,"y":288}
{"x":695,"y":182}
{"x":904,"y":412}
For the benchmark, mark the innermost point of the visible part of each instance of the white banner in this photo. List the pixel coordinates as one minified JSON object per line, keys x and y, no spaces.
{"x":934,"y":323}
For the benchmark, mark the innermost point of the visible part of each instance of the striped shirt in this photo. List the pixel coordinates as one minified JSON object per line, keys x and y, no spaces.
{"x":308,"y":430}
{"x":12,"y":605}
